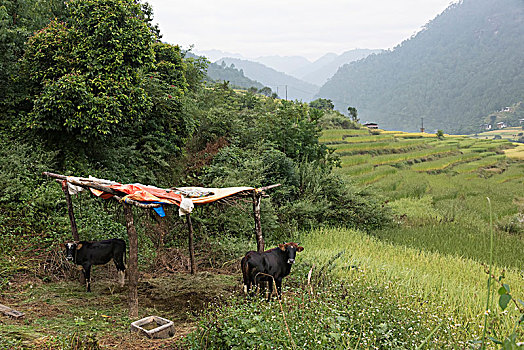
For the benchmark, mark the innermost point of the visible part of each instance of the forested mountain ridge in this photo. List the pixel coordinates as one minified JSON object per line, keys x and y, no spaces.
{"x":277,"y":81}
{"x":235,"y":76}
{"x":464,"y":64}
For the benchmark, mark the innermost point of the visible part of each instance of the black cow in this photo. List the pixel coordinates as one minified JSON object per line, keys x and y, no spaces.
{"x":87,"y":254}
{"x":271,"y":264}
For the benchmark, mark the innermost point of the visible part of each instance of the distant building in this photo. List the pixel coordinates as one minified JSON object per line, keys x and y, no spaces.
{"x":507,"y":109}
{"x":486,"y":126}
{"x":521,"y":121}
{"x":371,"y":125}
{"x":501,"y":125}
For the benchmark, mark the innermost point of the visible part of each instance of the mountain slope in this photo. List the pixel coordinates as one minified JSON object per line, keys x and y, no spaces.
{"x":277,"y":81}
{"x":466,"y":63}
{"x":219,"y":73}
{"x":320,"y":71}
{"x":285,"y":64}
{"x":235,"y":77}
{"x":313,"y":66}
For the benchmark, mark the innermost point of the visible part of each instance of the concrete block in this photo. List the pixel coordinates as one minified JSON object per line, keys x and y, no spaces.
{"x":154,"y":327}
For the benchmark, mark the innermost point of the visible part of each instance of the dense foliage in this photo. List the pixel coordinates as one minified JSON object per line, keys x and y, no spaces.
{"x":103,"y":88}
{"x":464,"y":64}
{"x":248,"y":139}
{"x":18,"y":20}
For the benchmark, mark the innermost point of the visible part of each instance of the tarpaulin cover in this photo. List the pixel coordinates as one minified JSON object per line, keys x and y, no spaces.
{"x":211,"y":194}
{"x":198,"y":195}
{"x":143,"y":193}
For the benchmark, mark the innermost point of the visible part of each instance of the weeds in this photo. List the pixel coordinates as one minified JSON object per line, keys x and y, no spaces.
{"x":505,"y":297}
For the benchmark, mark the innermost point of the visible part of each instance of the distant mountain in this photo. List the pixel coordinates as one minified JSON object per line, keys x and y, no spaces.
{"x":285,"y":64}
{"x":325,"y":67}
{"x":220,"y":73}
{"x":313,"y":66}
{"x":213,"y":55}
{"x":464,"y":64}
{"x":277,"y":81}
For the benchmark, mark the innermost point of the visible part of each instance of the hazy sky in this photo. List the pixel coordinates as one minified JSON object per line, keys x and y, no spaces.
{"x":308,"y":28}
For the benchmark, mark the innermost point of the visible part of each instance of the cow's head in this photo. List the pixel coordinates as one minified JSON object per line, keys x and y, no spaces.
{"x":70,"y":249}
{"x":291,"y":250}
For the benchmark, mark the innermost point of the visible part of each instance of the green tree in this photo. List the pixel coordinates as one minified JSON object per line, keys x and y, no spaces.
{"x":266,"y":91}
{"x":85,"y":72}
{"x":352,"y":111}
{"x":322,"y":104}
{"x":18,"y":20}
{"x":105,"y":91}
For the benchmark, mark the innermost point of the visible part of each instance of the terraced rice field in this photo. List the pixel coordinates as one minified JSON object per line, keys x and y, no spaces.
{"x":367,"y":157}
{"x":438,"y":191}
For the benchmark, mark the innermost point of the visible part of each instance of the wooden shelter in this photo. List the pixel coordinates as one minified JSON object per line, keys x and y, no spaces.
{"x":150,"y":197}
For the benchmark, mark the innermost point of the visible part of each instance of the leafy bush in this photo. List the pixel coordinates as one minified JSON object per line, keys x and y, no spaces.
{"x":336,"y":120}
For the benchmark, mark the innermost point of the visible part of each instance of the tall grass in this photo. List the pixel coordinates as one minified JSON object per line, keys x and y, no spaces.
{"x":516,"y":152}
{"x":375,"y":174}
{"x":456,"y":284}
{"x":349,"y":161}
{"x":358,"y":169}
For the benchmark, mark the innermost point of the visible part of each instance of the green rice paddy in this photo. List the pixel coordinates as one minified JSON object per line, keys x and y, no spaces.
{"x":440,"y":242}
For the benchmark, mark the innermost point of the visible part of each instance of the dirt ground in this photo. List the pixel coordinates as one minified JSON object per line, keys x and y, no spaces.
{"x":62,"y":308}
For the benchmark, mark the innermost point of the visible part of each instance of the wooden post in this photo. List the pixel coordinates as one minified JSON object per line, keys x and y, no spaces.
{"x":74,"y":229}
{"x":191,"y":247}
{"x":257,"y":197}
{"x":132,"y":269}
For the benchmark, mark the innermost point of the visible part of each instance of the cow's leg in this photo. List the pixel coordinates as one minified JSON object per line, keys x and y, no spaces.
{"x":262,"y":288}
{"x":87,"y":275}
{"x":270,"y":282}
{"x":248,"y":287}
{"x":254,"y":286}
{"x":120,"y":267}
{"x":254,"y":282}
{"x":278,"y":282}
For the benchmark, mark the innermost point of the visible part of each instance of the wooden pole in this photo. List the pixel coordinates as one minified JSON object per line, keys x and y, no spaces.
{"x":132,"y":269}
{"x":191,"y":247}
{"x":74,"y":229}
{"x":257,"y":197}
